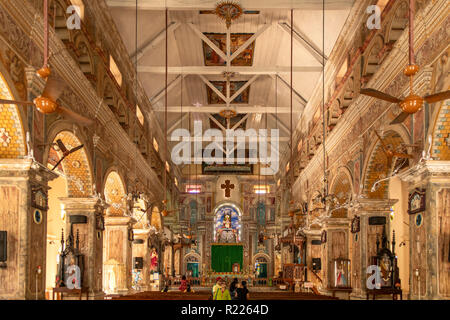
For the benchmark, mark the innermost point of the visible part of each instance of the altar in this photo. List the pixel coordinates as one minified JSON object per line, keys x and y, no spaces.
{"x":227,"y":253}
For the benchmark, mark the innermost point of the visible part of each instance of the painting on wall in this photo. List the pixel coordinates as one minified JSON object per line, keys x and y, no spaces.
{"x":416,"y":201}
{"x":220,"y":40}
{"x":213,"y":97}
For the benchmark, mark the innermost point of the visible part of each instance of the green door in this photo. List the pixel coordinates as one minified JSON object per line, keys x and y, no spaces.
{"x":194,"y":268}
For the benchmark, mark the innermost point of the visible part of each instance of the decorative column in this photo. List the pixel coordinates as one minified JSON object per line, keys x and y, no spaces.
{"x":118,"y":256}
{"x":337,"y":236}
{"x":140,"y":250}
{"x":23,"y":211}
{"x":429,"y":223}
{"x":85,"y":217}
{"x":374,"y":215}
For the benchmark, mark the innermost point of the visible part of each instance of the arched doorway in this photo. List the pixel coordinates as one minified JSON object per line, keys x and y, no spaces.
{"x":116,"y":241}
{"x":74,"y":181}
{"x":193,"y":265}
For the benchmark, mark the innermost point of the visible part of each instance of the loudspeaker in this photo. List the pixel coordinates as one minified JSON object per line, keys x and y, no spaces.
{"x":316,"y":264}
{"x":138,"y":263}
{"x":3,"y":246}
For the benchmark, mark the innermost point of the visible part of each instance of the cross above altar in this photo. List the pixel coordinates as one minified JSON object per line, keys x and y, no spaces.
{"x":227,"y":186}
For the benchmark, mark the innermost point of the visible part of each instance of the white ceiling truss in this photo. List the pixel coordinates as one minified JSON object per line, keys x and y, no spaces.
{"x":267,"y":103}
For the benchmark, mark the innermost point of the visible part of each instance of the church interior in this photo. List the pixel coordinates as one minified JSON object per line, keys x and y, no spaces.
{"x":149,"y":148}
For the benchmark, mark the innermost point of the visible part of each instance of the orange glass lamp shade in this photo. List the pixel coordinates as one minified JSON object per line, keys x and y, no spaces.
{"x":44,"y":72}
{"x":411,"y":104}
{"x":411,"y":70}
{"x":45,"y":105}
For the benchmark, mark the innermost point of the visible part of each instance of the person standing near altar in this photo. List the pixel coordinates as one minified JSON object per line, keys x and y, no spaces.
{"x":222,"y":292}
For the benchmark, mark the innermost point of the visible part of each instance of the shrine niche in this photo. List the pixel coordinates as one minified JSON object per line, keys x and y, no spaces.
{"x":227,"y":224}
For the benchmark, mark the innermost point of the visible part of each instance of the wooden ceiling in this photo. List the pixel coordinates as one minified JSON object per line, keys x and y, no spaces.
{"x":269,"y":91}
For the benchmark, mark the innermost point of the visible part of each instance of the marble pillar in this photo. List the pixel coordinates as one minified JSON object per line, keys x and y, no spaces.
{"x":366,"y":209}
{"x":23,"y":215}
{"x":430,"y":239}
{"x":117,"y":255}
{"x":91,"y":239}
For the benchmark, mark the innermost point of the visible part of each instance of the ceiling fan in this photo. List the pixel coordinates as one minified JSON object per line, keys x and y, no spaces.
{"x":65,"y":152}
{"x":390,"y":154}
{"x":412,"y":103}
{"x":54,"y":87}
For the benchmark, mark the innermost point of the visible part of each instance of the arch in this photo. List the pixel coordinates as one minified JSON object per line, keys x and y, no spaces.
{"x":122,"y":116}
{"x":439,"y":130}
{"x":333,"y":114}
{"x":84,"y":56}
{"x":12,"y":133}
{"x":109,"y":96}
{"x":58,"y":20}
{"x":349,"y":94}
{"x":376,"y":168}
{"x":342,"y":188}
{"x":261,"y":255}
{"x":398,"y":23}
{"x":372,"y":58}
{"x":115,"y":194}
{"x":76,"y":168}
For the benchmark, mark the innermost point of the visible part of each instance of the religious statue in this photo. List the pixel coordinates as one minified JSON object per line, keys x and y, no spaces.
{"x":226,"y":234}
{"x":341,"y":280}
{"x":154,"y":261}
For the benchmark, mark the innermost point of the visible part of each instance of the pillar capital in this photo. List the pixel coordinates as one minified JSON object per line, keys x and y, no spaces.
{"x":430,"y":170}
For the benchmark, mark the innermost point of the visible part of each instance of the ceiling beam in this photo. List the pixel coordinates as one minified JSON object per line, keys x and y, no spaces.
{"x":249,"y":41}
{"x":240,"y":109}
{"x":207,"y":41}
{"x":307,"y":43}
{"x":269,"y":70}
{"x":280,"y":123}
{"x":240,"y":121}
{"x":178,"y":122}
{"x":246,"y":4}
{"x":161,"y":93}
{"x":241,"y":89}
{"x":153,"y":42}
{"x":299,"y":96}
{"x":213,"y":88}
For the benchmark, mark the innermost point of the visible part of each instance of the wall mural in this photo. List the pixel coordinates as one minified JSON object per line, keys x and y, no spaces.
{"x":213,"y":98}
{"x":220,"y":40}
{"x":227,"y":226}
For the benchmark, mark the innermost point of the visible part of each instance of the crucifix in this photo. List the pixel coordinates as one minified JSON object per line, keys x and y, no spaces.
{"x":227,"y":186}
